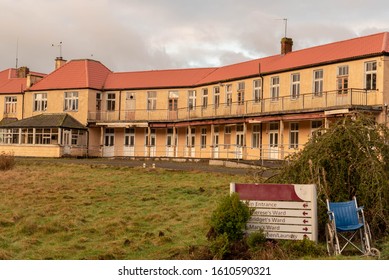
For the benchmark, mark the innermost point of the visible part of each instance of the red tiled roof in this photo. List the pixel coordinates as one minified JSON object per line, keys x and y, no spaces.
{"x":75,"y":74}
{"x":157,"y":78}
{"x":9,"y":83}
{"x":342,"y":50}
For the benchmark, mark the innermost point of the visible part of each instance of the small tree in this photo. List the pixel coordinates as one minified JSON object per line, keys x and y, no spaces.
{"x":349,"y":159}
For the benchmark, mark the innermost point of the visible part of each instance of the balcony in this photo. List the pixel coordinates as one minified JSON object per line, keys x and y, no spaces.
{"x":329,"y":100}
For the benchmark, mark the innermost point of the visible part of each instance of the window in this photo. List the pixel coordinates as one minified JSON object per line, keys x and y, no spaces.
{"x":98,"y":101}
{"x":150,"y":143}
{"x":43,"y":136}
{"x":257,"y":88}
{"x":216,"y":97}
{"x":315,"y":127}
{"x":205,"y":98}
{"x":40,"y":102}
{"x":227,"y":137}
{"x":190,"y":142}
{"x":191,"y":100}
{"x":111,"y":101}
{"x":109,"y":137}
{"x":173,"y":100}
{"x":294,"y":136}
{"x":318,"y":82}
{"x":129,"y":137}
{"x":71,"y":101}
{"x":342,"y":79}
{"x":256,"y":136}
{"x":228,"y":95}
{"x":203,"y":138}
{"x":240,"y":96}
{"x":10,"y":104}
{"x":27,"y":136}
{"x":9,"y":136}
{"x":151,"y":100}
{"x":295,"y":86}
{"x":371,"y":75}
{"x":275,"y":88}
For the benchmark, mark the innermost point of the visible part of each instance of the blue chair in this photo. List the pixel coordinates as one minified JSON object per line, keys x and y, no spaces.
{"x":346,"y":225}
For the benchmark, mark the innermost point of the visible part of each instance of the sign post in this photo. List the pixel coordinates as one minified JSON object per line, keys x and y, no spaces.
{"x":282,"y":211}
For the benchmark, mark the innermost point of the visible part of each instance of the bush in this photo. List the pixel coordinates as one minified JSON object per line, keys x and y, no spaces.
{"x":7,"y":161}
{"x":230,"y":217}
{"x":256,"y":240}
{"x":351,"y":158}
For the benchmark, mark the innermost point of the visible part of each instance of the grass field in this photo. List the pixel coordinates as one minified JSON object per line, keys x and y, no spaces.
{"x":71,"y":211}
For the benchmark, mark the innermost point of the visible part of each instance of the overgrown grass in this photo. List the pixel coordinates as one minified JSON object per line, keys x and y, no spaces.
{"x":71,"y":211}
{"x":65,"y":211}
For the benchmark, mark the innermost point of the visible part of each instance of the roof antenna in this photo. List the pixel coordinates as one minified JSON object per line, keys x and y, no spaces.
{"x":60,"y":49}
{"x":17,"y":52}
{"x":285,"y":24}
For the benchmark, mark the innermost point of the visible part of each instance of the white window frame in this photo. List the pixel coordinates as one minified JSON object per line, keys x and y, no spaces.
{"x":71,"y":101}
{"x":371,"y":75}
{"x":204,"y":97}
{"x":257,"y":89}
{"x":240,"y":93}
{"x":151,"y":100}
{"x":293,"y":135}
{"x":203,"y":142}
{"x":40,"y":102}
{"x":295,"y":86}
{"x":111,"y":101}
{"x":10,"y":104}
{"x":191,"y":100}
{"x":275,"y":88}
{"x":229,"y":95}
{"x":256,"y":136}
{"x":342,"y":79}
{"x":318,"y":82}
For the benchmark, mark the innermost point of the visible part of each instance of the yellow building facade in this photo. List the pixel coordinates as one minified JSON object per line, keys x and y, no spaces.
{"x":263,"y":109}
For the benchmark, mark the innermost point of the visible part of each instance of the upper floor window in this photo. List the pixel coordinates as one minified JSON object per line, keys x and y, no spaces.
{"x":342,"y":79}
{"x":216,"y":97}
{"x":228,"y":95}
{"x":173,"y":100}
{"x":257,"y":88}
{"x":295,"y":86}
{"x":71,"y":101}
{"x":111,"y":101}
{"x":40,"y":102}
{"x":275,"y":88}
{"x":241,"y":87}
{"x":205,"y":98}
{"x":371,"y":75}
{"x":318,"y":82}
{"x":10,"y":104}
{"x":151,"y":100}
{"x":98,"y":101}
{"x":191,"y":99}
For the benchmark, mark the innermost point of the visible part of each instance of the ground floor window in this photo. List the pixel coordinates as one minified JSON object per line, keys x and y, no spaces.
{"x":294,"y":136}
{"x":203,"y":138}
{"x":256,"y":136}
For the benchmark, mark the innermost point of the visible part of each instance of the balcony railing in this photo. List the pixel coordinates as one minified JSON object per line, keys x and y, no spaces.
{"x":304,"y":102}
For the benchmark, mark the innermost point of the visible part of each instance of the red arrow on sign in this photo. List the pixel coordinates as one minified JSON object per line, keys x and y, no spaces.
{"x":305,"y":221}
{"x":306,"y":229}
{"x":305,"y":205}
{"x":305,"y":213}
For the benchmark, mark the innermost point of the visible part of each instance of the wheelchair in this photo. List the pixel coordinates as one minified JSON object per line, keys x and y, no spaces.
{"x":346,"y":227}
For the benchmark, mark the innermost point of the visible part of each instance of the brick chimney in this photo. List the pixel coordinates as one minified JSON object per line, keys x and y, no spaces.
{"x":59,"y":61}
{"x":22,"y":72}
{"x":286,"y":45}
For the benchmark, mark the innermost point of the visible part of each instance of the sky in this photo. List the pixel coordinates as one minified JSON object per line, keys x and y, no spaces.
{"x":138,"y":35}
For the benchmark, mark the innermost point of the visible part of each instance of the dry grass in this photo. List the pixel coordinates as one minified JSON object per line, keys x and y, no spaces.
{"x":69,"y":211}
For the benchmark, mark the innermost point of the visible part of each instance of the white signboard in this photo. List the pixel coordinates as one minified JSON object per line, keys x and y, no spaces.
{"x":281,"y":211}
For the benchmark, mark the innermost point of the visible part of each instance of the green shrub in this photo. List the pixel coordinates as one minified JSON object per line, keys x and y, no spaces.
{"x":256,"y":240}
{"x":220,"y":246}
{"x":230,"y":217}
{"x":7,"y":161}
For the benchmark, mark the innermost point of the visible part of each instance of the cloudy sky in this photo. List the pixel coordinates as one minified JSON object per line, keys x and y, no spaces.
{"x":129,"y":35}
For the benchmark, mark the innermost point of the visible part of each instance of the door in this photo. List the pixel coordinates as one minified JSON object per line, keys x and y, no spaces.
{"x":109,"y":142}
{"x":150,"y":145}
{"x":239,"y":141}
{"x":129,"y":142}
{"x":130,"y":106}
{"x":67,"y":142}
{"x":190,"y":149}
{"x":273,"y":141}
{"x":171,"y":143}
{"x":215,"y":142}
